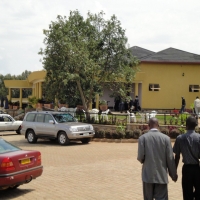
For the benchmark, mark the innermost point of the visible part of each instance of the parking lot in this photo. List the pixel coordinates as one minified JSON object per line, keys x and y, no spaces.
{"x":94,"y":171}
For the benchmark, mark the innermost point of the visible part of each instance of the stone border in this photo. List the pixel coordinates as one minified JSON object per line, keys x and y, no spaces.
{"x":118,"y":140}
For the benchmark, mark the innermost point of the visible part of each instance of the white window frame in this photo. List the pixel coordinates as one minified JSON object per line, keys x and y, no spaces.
{"x":194,"y":88}
{"x":154,"y":87}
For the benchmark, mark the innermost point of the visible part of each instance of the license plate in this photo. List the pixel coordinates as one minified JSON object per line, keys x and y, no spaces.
{"x":86,"y":134}
{"x":25,"y":161}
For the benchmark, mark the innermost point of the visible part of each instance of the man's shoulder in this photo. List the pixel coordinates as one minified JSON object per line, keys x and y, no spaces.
{"x":154,"y":133}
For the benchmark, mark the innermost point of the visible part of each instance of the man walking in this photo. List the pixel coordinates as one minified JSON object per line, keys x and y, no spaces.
{"x":188,"y":145}
{"x":183,"y":104}
{"x":197,"y":106}
{"x":156,"y":155}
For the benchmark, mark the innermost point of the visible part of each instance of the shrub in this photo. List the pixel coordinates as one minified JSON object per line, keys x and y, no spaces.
{"x":197,"y":129}
{"x":108,"y":134}
{"x":128,"y":134}
{"x":174,"y":133}
{"x":144,"y":131}
{"x":164,"y":131}
{"x":99,"y":133}
{"x":137,"y":133}
{"x":115,"y":135}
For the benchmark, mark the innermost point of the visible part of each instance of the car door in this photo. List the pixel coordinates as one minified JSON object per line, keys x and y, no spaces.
{"x":39,"y":124}
{"x":49,"y":128}
{"x":2,"y":124}
{"x":9,"y":123}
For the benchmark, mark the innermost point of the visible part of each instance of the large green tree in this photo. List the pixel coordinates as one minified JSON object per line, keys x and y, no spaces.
{"x":84,"y":55}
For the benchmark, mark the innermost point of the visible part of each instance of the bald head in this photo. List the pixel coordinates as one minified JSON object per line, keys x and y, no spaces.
{"x":153,"y":123}
{"x":191,"y":123}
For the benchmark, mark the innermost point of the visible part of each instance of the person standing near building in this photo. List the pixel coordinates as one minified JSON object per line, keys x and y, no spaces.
{"x":156,"y":155}
{"x":137,"y":104}
{"x":197,"y":106}
{"x":188,"y":145}
{"x":183,"y":104}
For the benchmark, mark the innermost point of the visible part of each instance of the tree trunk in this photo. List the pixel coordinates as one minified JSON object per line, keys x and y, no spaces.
{"x":82,"y":96}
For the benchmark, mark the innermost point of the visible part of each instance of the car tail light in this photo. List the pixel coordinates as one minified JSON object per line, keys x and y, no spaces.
{"x":7,"y":165}
{"x":39,"y":160}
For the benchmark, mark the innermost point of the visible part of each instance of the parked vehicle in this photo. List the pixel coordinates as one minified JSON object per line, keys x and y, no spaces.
{"x":8,"y":123}
{"x":59,"y":126}
{"x":18,"y":166}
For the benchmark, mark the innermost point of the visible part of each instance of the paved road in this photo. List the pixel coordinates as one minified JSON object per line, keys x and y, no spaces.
{"x":96,"y":171}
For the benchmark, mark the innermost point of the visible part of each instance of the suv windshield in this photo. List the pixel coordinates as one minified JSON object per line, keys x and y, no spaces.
{"x":63,"y":117}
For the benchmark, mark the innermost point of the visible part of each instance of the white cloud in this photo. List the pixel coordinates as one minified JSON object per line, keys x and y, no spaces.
{"x":151,"y":24}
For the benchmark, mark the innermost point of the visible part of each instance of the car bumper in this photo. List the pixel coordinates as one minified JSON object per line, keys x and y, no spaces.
{"x":80,"y":135}
{"x":21,"y":177}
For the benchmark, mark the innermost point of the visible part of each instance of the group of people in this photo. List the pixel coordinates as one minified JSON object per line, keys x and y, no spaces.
{"x":124,"y":106}
{"x":155,"y":152}
{"x":196,"y":105}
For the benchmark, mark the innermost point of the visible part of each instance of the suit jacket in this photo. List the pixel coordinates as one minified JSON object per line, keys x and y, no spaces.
{"x":155,"y":152}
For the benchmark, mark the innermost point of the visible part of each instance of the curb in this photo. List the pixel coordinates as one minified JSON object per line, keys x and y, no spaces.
{"x":119,"y":140}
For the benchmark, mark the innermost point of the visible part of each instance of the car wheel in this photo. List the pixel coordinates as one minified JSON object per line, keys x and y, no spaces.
{"x":18,"y":130}
{"x":62,"y":138}
{"x":85,"y":140}
{"x":31,"y":137}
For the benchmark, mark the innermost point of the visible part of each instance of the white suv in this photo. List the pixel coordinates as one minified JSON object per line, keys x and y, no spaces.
{"x":55,"y":126}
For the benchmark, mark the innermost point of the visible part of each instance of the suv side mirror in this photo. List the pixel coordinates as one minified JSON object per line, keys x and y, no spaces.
{"x":51,"y":122}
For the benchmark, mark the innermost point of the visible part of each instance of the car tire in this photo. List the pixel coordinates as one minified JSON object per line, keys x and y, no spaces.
{"x":31,"y":137}
{"x":18,"y":130}
{"x":85,"y":140}
{"x":62,"y":138}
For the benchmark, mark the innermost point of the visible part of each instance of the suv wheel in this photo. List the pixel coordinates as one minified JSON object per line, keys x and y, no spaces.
{"x":85,"y":140}
{"x":31,"y":137}
{"x":62,"y":138}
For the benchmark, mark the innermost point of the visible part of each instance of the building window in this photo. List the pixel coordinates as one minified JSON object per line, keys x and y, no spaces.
{"x":154,"y":87}
{"x":194,"y":88}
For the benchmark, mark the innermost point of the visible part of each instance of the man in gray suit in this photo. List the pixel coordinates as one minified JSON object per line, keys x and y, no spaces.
{"x":156,"y":155}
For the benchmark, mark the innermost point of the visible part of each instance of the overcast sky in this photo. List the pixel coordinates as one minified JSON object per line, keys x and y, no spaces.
{"x":151,"y":24}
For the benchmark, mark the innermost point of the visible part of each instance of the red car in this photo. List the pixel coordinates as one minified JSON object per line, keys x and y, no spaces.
{"x":18,"y":166}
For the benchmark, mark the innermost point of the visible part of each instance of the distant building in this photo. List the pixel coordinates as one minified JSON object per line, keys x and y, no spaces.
{"x":165,"y":77}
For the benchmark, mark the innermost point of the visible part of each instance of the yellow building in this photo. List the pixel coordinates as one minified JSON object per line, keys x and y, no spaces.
{"x":34,"y":82}
{"x":164,"y":78}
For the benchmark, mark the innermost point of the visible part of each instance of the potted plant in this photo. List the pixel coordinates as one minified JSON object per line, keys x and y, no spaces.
{"x":40,"y":103}
{"x":48,"y":104}
{"x":33,"y":101}
{"x":16,"y":105}
{"x":103,"y":105}
{"x":10,"y":104}
{"x":62,"y":103}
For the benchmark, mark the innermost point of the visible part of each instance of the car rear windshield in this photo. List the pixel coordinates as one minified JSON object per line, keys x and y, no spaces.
{"x":7,"y":147}
{"x":63,"y":117}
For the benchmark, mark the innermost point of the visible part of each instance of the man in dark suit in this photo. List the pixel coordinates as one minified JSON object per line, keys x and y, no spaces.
{"x":188,"y":145}
{"x":156,"y":155}
{"x":183,"y":104}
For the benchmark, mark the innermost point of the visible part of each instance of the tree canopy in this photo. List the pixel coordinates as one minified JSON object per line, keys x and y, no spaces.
{"x":82,"y":56}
